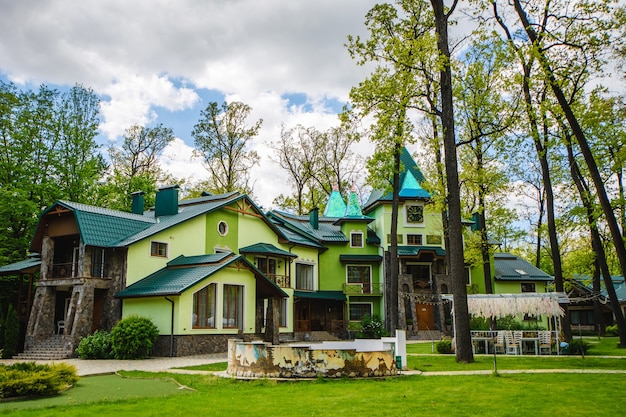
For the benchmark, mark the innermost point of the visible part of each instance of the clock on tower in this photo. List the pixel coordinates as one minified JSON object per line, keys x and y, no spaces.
{"x":414,"y":214}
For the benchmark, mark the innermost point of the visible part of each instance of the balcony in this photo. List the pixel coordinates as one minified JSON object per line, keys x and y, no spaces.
{"x":283,"y":281}
{"x":363,"y":288}
{"x":69,"y":270}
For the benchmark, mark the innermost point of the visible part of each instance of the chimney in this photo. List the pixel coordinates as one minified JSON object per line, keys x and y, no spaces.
{"x":137,"y":204}
{"x":314,"y":218}
{"x":166,"y":201}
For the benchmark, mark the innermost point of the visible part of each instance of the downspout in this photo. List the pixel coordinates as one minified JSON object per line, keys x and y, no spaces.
{"x":171,"y":329}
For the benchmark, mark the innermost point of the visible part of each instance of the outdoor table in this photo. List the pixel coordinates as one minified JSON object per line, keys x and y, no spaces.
{"x":534,"y":340}
{"x":481,"y":337}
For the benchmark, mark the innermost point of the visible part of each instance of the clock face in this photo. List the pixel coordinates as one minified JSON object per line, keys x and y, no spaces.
{"x":415,"y":214}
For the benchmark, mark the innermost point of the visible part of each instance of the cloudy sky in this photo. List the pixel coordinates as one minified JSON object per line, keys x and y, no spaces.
{"x":163,"y":61}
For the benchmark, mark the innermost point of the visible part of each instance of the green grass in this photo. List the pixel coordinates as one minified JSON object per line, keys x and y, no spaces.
{"x":211,"y":367}
{"x":506,"y":395}
{"x":95,"y":389}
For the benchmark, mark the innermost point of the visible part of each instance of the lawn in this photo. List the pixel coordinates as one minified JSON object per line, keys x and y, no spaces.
{"x":148,"y":394}
{"x":506,"y":395}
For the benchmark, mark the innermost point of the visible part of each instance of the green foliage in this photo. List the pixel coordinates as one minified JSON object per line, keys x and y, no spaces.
{"x":11,"y":331}
{"x":479,"y":323}
{"x":372,"y":327}
{"x":96,"y":346}
{"x":611,"y":330}
{"x":508,"y":323}
{"x":133,"y":338}
{"x":30,"y":379}
{"x":578,"y":347}
{"x":444,"y":346}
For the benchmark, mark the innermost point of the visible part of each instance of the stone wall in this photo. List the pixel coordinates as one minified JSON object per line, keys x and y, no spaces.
{"x":187,"y":345}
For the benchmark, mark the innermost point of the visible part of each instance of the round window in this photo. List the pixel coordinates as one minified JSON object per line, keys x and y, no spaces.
{"x":222,"y":228}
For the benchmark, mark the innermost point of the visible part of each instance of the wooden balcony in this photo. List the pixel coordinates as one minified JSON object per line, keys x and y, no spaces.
{"x":283,"y":281}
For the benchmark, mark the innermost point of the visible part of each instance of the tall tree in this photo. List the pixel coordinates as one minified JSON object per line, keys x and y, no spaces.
{"x":456,"y":262}
{"x":135,"y":166}
{"x":222,"y":139}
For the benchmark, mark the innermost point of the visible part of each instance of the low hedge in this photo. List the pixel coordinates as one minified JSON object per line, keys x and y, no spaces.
{"x":27,"y":379}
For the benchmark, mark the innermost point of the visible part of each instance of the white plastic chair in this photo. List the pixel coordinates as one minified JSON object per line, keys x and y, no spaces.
{"x":60,"y":326}
{"x":512,"y":342}
{"x":545,"y":341}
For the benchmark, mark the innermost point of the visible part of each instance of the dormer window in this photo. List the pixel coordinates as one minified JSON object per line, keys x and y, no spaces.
{"x":356,"y":240}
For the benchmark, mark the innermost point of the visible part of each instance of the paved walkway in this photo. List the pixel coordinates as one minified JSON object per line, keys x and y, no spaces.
{"x":99,"y":367}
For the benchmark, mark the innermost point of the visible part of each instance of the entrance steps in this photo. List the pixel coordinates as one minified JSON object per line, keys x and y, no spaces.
{"x":428,"y":335}
{"x":54,"y":348}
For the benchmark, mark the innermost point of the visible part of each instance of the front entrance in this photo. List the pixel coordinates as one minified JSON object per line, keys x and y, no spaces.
{"x":424,"y":316}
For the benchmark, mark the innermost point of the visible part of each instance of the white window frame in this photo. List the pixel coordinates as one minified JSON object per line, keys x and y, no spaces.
{"x":371,"y":308}
{"x":352,"y":236}
{"x":219,"y":232}
{"x":368,"y":285}
{"x":312,"y":266}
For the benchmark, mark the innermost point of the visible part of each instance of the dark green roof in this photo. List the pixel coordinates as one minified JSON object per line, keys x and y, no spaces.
{"x":266,"y":249}
{"x":184,"y":272}
{"x":510,"y":267}
{"x":360,"y":258}
{"x":321,"y":295}
{"x":29,"y":265}
{"x":327,"y":231}
{"x":417,"y":250}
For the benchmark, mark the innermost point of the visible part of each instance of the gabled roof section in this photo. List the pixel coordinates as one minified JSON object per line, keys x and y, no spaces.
{"x":418,"y":250}
{"x":97,"y":226}
{"x":410,"y":179}
{"x":266,"y":249}
{"x":511,"y":267}
{"x":29,"y":265}
{"x":619,"y":284}
{"x":182,"y":273}
{"x":327,"y":231}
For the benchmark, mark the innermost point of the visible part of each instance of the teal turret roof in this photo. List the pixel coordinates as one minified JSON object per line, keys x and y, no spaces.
{"x":354,"y":206}
{"x":335,"y":207}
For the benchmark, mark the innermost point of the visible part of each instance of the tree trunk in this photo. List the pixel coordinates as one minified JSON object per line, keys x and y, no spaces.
{"x":579,"y":134}
{"x":392,"y":307}
{"x":457,"y":266}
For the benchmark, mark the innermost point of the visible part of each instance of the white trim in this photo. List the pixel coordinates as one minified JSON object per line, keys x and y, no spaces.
{"x":219,"y":232}
{"x":362,"y":241}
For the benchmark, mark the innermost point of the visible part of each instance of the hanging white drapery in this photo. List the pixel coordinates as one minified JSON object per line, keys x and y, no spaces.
{"x":502,"y":305}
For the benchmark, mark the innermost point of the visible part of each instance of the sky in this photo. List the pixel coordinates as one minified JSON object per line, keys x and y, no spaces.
{"x":163,"y":61}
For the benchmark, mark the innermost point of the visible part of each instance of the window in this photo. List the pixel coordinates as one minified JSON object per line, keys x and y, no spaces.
{"x":468,"y":275}
{"x":282,"y":312}
{"x":203,"y":314}
{"x":528,"y":287}
{"x":222,"y":228}
{"x":97,"y":263}
{"x":158,"y":249}
{"x":304,"y":277}
{"x":232,"y":315}
{"x":359,"y":310}
{"x":360,"y":274}
{"x":266,"y":265}
{"x":433,"y":239}
{"x":415,"y":214}
{"x":582,"y":317}
{"x":356,"y":240}
{"x":400,"y":239}
{"x":413,"y":239}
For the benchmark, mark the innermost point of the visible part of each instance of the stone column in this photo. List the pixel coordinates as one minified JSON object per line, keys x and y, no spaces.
{"x":272,"y":322}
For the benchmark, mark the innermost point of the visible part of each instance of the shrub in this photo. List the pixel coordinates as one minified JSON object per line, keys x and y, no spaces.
{"x":578,"y":347}
{"x":11,"y":333}
{"x":444,"y":346}
{"x":611,"y":330}
{"x":133,"y":338}
{"x":24,"y":379}
{"x":96,"y":346}
{"x":508,"y":323}
{"x":372,"y":328}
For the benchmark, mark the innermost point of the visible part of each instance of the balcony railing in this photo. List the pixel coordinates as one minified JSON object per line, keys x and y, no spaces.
{"x":70,"y":270}
{"x":362,"y":288}
{"x":283,"y":281}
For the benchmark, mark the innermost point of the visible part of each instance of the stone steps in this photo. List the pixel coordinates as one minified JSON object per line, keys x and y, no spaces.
{"x":54,"y":348}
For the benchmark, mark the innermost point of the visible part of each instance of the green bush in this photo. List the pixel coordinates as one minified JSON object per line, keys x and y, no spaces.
{"x":444,"y":346}
{"x":25,"y":379}
{"x":372,"y":327}
{"x":578,"y":347}
{"x":11,"y":333}
{"x":133,"y":338}
{"x":96,"y":346}
{"x":479,"y":323}
{"x":611,"y":330}
{"x":508,"y":323}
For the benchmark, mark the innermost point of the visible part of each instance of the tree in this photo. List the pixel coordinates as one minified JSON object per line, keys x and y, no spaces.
{"x":455,"y":233}
{"x":222,"y":139}
{"x":135,"y":166}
